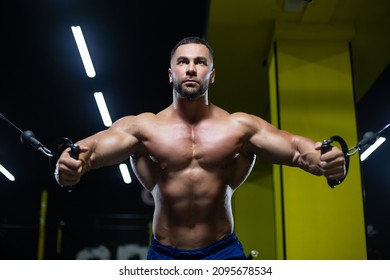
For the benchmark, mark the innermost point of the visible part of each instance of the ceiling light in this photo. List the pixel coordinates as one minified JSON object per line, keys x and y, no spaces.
{"x":83,"y":50}
{"x":101,"y":103}
{"x":125,"y":173}
{"x":7,"y":173}
{"x":372,"y":148}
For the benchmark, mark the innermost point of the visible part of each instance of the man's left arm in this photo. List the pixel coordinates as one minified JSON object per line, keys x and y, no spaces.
{"x":282,"y":147}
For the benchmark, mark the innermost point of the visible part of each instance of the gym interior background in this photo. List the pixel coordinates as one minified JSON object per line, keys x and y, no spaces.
{"x":261,"y":49}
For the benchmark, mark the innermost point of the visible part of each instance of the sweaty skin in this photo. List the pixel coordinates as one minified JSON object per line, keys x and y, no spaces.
{"x":193,"y":155}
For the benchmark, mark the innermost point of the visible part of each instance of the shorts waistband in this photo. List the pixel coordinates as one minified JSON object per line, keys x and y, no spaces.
{"x":196,"y":253}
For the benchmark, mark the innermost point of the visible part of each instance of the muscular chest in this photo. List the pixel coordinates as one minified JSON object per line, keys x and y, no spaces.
{"x":181,"y":145}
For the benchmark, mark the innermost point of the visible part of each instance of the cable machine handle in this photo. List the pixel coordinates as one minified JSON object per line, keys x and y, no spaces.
{"x":326,"y":146}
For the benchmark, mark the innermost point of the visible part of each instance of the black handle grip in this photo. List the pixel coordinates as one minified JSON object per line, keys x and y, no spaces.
{"x":326,"y":146}
{"x":74,"y":151}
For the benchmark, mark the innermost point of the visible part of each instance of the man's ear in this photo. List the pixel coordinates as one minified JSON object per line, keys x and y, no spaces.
{"x":212,"y":76}
{"x":170,"y":75}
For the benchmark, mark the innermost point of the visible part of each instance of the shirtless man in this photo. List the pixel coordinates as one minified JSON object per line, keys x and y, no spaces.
{"x":192,"y":156}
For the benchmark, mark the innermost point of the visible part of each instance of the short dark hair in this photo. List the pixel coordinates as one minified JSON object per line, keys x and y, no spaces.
{"x":193,"y":40}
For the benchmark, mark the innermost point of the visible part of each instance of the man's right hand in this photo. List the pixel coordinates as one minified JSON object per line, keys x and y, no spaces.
{"x":69,"y":170}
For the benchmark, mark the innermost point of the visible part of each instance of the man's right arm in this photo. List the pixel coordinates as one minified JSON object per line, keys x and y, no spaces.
{"x":104,"y":148}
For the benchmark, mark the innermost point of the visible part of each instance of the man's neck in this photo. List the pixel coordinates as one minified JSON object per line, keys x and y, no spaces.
{"x":191,"y":111}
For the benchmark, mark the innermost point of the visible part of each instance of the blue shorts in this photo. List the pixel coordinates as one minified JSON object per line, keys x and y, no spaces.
{"x":228,"y":248}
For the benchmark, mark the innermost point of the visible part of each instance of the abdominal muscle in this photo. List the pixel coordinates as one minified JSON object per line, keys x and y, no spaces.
{"x":192,"y":209}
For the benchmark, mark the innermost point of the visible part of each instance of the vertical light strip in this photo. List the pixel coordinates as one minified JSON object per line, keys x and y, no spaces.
{"x":101,"y":103}
{"x":7,"y":173}
{"x":125,"y":173}
{"x":83,"y":50}
{"x":42,"y":225}
{"x":372,"y":148}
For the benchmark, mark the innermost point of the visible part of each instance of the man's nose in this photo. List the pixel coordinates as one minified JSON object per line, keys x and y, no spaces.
{"x":191,"y":69}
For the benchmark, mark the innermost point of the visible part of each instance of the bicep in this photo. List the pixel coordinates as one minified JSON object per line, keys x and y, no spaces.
{"x":109,"y":147}
{"x":272,"y":144}
{"x":281,"y":147}
{"x":268,"y":142}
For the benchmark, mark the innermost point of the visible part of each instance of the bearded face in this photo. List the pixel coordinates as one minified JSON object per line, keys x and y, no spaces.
{"x":191,"y":71}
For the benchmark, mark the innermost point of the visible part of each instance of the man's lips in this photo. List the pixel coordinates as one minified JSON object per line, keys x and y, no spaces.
{"x":190,"y":82}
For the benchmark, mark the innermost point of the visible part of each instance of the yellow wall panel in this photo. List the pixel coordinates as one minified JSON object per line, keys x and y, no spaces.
{"x":254,"y":217}
{"x":315,"y":99}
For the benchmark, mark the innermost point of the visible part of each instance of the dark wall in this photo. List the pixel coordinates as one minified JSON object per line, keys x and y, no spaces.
{"x":373,"y":113}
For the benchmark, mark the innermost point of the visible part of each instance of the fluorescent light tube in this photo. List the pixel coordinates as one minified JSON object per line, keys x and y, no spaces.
{"x":83,"y":50}
{"x":372,"y":148}
{"x":7,"y":173}
{"x":101,"y":103}
{"x":125,"y":173}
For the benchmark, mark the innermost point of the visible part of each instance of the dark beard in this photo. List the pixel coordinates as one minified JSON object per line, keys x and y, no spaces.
{"x":191,"y":94}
